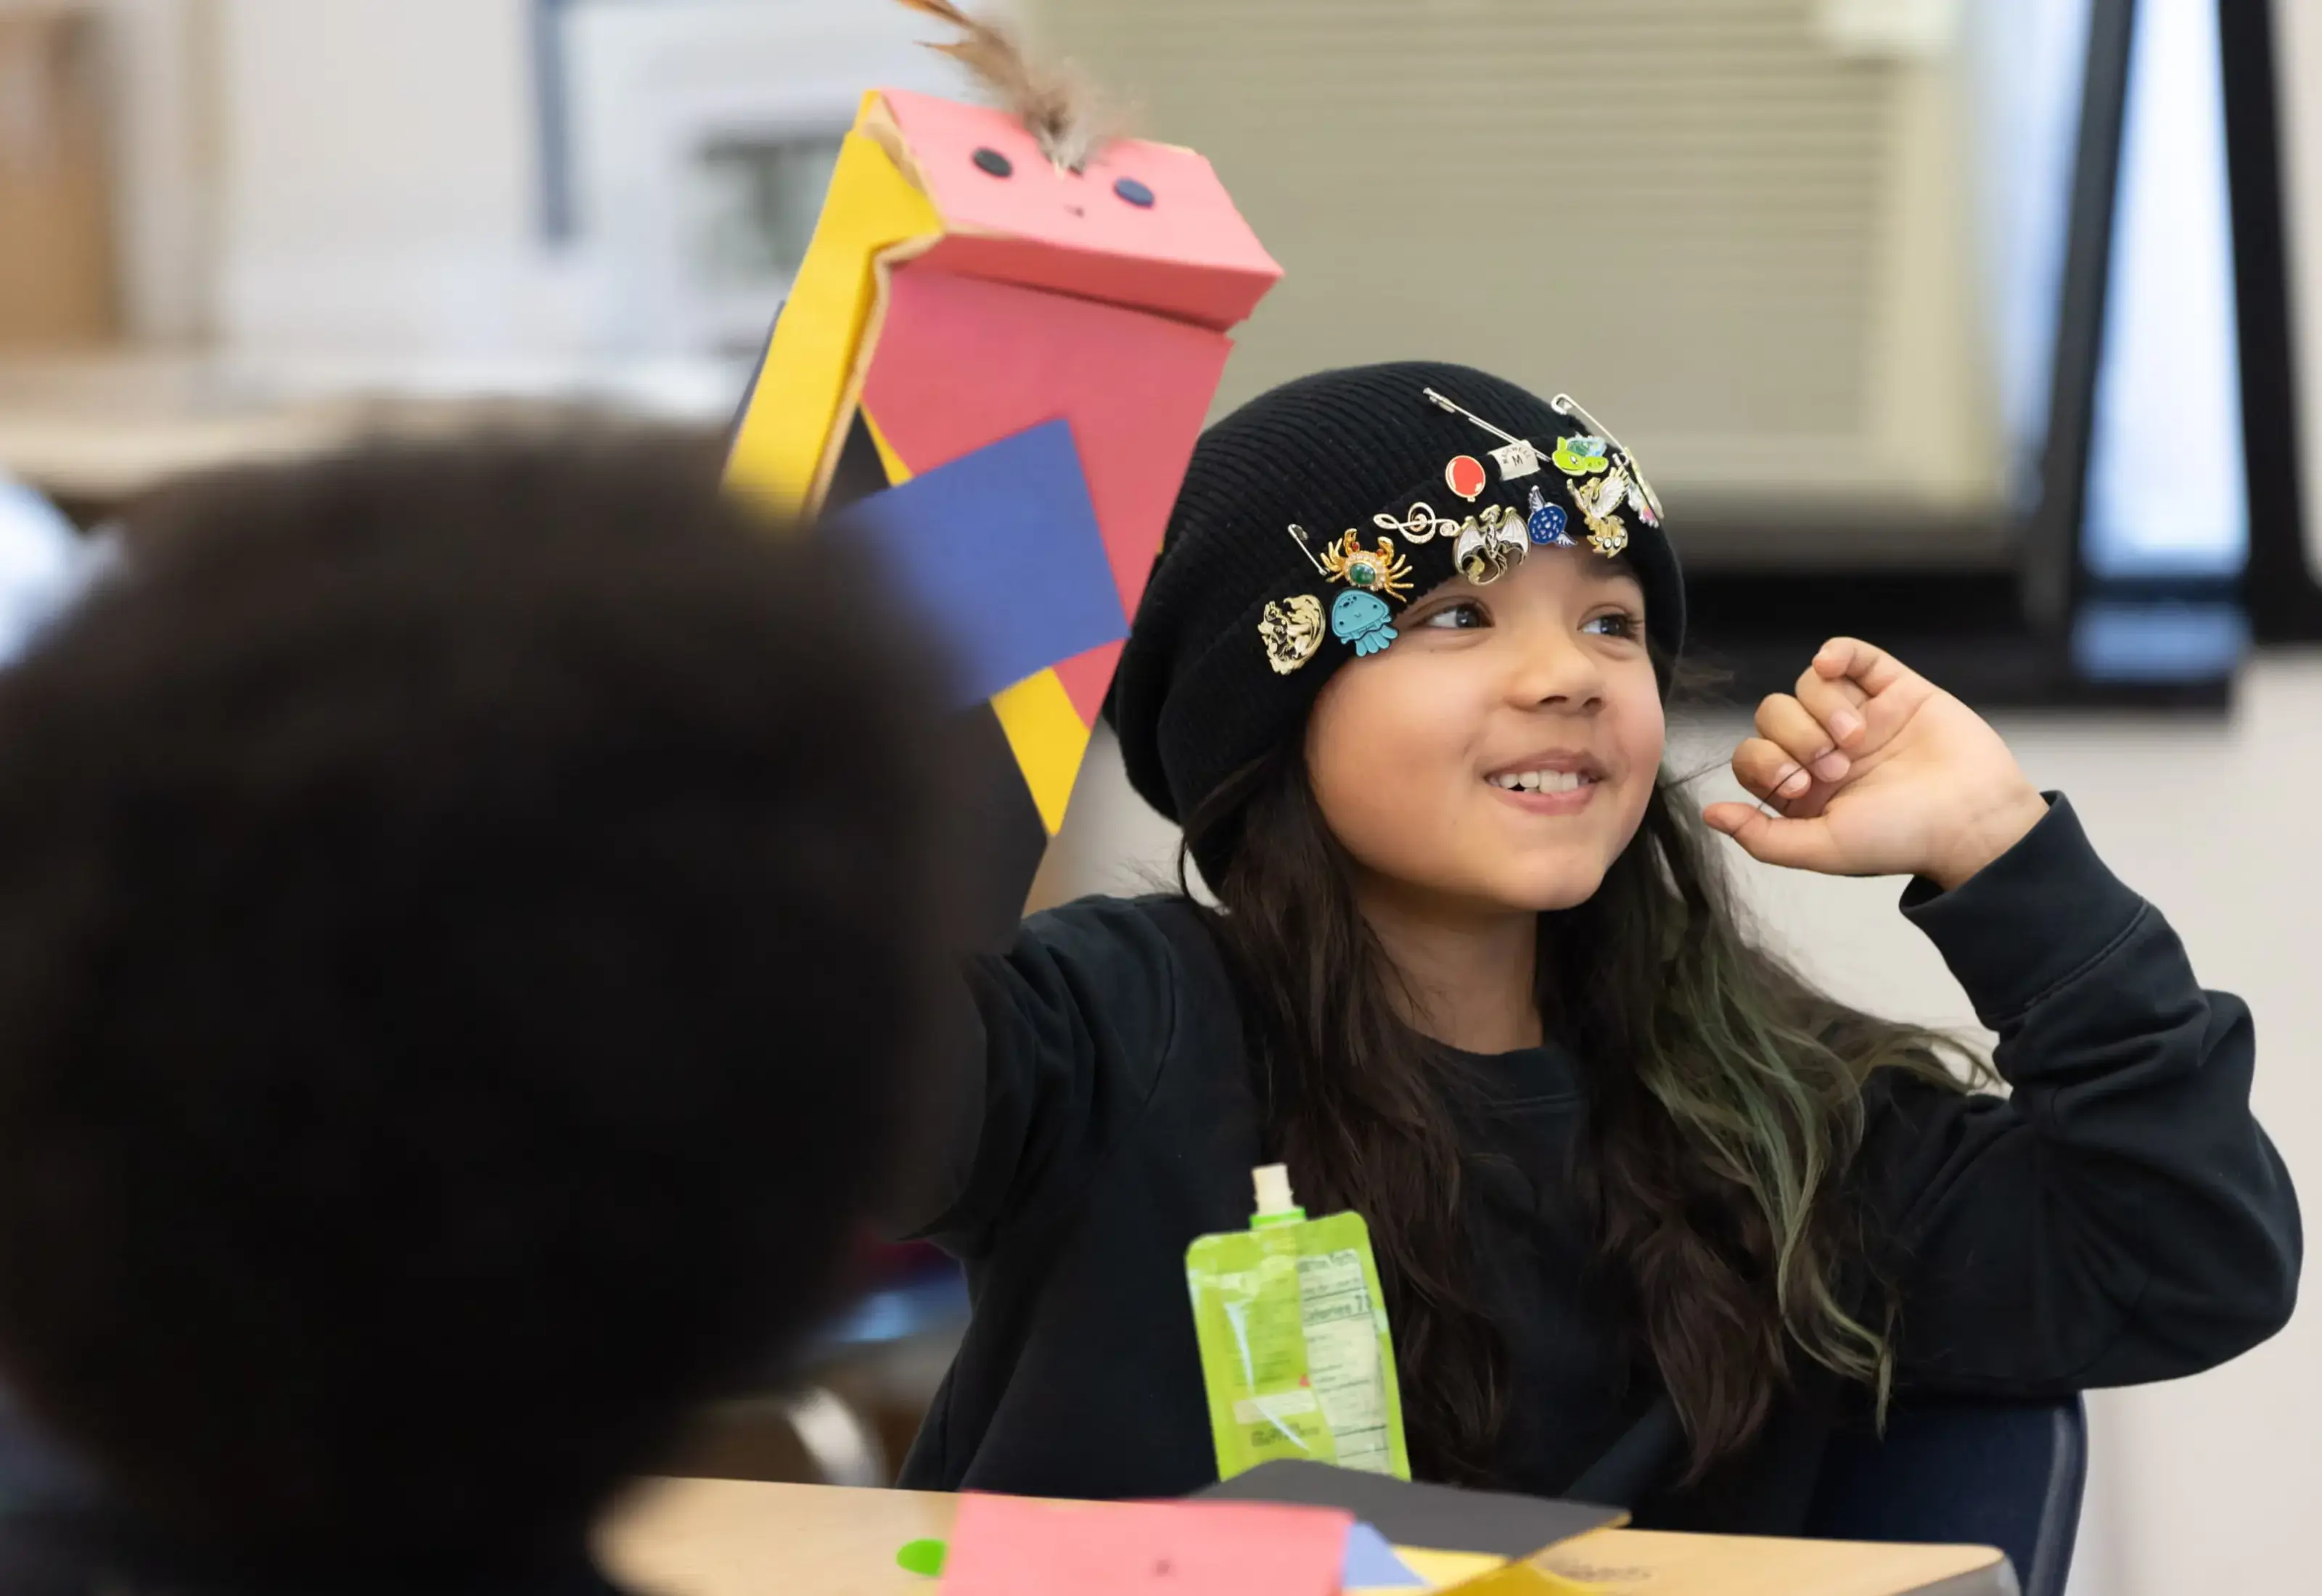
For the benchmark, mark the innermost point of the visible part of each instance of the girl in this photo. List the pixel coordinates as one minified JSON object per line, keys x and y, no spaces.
{"x":1651,"y":1213}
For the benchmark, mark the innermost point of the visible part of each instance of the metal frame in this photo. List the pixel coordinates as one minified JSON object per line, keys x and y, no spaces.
{"x":558,"y":220}
{"x":2052,"y":573}
{"x":2279,"y":589}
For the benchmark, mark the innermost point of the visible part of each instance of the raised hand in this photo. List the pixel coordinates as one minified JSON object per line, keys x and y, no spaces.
{"x":1870,"y":769}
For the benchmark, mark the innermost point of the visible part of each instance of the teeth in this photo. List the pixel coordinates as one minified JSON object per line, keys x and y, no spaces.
{"x":1541,"y":781}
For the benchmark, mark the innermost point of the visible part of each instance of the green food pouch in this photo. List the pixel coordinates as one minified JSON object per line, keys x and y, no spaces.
{"x":1295,"y":1353}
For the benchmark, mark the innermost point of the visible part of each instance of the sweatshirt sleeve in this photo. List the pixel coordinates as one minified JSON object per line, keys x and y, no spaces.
{"x":2120,"y":1217}
{"x":1052,"y":1049}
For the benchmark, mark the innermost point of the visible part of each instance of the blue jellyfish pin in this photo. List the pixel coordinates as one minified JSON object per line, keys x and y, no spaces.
{"x":1361,"y":619}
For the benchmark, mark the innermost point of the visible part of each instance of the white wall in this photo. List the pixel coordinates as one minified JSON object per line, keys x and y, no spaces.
{"x":377,"y":173}
{"x":380,"y":188}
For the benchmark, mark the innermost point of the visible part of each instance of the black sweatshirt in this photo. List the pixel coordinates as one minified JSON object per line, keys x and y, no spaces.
{"x":2119,"y":1218}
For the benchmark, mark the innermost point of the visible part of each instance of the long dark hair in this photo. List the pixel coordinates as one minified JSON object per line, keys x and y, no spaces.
{"x":1723,"y":1105}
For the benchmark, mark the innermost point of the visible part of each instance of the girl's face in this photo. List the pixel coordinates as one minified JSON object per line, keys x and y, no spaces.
{"x":1499,"y":756}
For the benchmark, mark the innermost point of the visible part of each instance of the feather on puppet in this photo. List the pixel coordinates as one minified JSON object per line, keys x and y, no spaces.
{"x":1056,"y":104}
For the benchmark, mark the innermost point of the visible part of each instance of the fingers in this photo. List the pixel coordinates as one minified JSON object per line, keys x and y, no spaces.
{"x":1794,"y":844}
{"x":1812,"y":746}
{"x":1773,"y":774}
{"x":1852,"y":677}
{"x":1867,"y":665}
{"x":1838,"y":706}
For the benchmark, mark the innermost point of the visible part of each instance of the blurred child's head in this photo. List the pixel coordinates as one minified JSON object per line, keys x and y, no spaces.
{"x":462,"y":920}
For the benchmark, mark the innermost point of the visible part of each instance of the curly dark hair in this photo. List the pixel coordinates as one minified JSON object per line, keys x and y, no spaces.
{"x":465,"y":925}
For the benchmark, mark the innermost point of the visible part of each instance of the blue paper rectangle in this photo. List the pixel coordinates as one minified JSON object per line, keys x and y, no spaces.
{"x":1372,"y":1563}
{"x":1000,"y":554}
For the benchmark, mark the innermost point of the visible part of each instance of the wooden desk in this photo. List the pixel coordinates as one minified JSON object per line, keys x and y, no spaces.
{"x":722,"y":1538}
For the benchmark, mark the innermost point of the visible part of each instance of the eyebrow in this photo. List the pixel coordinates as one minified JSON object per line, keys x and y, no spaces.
{"x":1617,"y":569}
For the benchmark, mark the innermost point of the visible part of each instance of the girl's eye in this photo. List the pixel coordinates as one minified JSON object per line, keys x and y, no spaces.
{"x":1618,"y":623}
{"x":1458,"y":618}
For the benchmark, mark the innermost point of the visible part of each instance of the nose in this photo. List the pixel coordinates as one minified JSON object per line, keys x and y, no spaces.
{"x":1553,"y":671}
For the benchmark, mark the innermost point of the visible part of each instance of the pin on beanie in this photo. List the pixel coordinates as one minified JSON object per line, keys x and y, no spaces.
{"x":1434,"y":471}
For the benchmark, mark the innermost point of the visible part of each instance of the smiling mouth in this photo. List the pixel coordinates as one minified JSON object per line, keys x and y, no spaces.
{"x":1542,"y":780}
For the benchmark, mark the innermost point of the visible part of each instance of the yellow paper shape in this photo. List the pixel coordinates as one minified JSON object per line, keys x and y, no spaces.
{"x":871,"y":209}
{"x":1049,"y":741}
{"x":1524,"y":1578}
{"x":1444,"y":1569}
{"x":891,"y":463}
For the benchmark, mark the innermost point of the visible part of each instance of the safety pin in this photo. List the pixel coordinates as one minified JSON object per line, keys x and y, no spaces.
{"x":1444,"y":403}
{"x":1307,"y":549}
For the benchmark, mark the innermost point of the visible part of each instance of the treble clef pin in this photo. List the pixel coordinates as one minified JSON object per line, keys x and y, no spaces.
{"x":1421,"y":526}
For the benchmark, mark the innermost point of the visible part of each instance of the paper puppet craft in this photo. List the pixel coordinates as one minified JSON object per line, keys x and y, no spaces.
{"x":996,"y":357}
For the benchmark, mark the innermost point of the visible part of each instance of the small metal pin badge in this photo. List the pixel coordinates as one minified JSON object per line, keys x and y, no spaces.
{"x":1547,"y":523}
{"x":1583,"y":455}
{"x":1291,"y":630}
{"x":1466,"y":477}
{"x":1379,"y":570}
{"x":1363,"y":620}
{"x":1490,"y":546}
{"x":1642,"y":496}
{"x":1600,"y":499}
{"x":1422,"y":525}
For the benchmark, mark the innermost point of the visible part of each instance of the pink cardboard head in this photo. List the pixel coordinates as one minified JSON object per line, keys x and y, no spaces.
{"x":1146,"y":225}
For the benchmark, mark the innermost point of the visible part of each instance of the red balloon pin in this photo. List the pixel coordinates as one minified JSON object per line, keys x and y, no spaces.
{"x":1465,"y":476}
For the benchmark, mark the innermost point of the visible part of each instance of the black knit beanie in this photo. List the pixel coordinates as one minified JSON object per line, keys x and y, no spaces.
{"x":1239,"y":629}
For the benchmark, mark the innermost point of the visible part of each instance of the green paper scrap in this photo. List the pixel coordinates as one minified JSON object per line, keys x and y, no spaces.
{"x":924,"y":1558}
